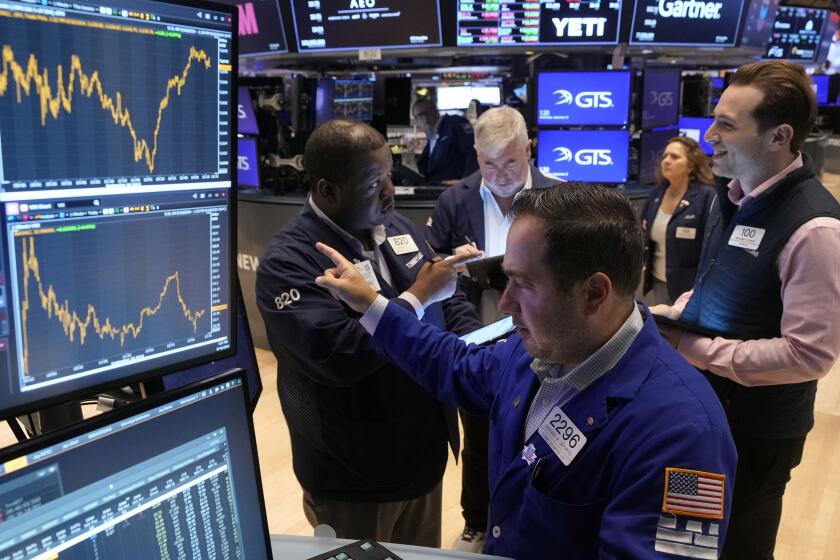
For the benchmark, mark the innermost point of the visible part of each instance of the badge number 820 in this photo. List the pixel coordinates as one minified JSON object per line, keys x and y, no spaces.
{"x":286,"y":298}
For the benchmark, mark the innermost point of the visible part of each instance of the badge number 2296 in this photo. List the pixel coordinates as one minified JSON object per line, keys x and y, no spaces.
{"x":561,"y":434}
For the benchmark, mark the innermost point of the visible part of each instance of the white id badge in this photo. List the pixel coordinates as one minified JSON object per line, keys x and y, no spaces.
{"x":686,"y":233}
{"x":561,"y":434}
{"x":402,"y":244}
{"x":366,"y":270}
{"x":746,"y":237}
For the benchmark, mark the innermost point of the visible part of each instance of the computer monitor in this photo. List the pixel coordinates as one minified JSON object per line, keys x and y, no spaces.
{"x":175,"y":476}
{"x":260,"y":27}
{"x":245,"y":117}
{"x":758,"y":23}
{"x":651,"y":146}
{"x":117,"y":231}
{"x":583,"y":98}
{"x":459,"y":97}
{"x":245,"y":359}
{"x":538,"y":24}
{"x":821,"y":87}
{"x":660,"y":97}
{"x":584,"y":155}
{"x":686,"y":24}
{"x":695,"y":128}
{"x":796,"y":34}
{"x":353,"y":99}
{"x":332,"y":25}
{"x":247,"y":163}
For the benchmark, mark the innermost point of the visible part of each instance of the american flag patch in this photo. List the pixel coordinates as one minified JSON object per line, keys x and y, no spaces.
{"x":693,"y":493}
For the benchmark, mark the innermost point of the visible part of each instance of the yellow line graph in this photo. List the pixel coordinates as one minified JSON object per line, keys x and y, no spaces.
{"x":32,"y":77}
{"x":72,"y":323}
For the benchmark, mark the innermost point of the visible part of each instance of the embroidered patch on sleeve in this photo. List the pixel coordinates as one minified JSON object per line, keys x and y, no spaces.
{"x":693,"y":493}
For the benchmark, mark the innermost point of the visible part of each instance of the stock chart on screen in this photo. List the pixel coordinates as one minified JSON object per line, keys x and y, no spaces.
{"x":117,"y":126}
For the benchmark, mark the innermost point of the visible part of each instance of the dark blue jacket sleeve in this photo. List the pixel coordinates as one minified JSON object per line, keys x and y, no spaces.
{"x":462,"y":375}
{"x":315,"y":329}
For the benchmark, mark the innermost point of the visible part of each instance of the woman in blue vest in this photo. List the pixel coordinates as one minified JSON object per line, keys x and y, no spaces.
{"x":674,"y":218}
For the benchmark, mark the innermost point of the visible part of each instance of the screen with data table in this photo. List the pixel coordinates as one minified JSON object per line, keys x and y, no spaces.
{"x":539,"y":22}
{"x":117,"y":138}
{"x":175,"y":477}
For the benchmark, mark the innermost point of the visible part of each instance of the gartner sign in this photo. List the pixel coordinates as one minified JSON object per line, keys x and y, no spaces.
{"x":584,"y":155}
{"x":583,"y":98}
{"x":686,"y":22}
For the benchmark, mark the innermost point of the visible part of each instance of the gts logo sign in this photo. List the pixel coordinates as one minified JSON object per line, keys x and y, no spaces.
{"x":690,"y":9}
{"x":585,"y":99}
{"x":242,"y":163}
{"x":663,"y":99}
{"x":584,"y":157}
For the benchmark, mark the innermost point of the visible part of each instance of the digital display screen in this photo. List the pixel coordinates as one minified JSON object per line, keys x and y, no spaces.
{"x":539,"y":22}
{"x":116,"y":221}
{"x":491,"y":332}
{"x":174,"y":475}
{"x":821,"y":84}
{"x":796,"y":34}
{"x":459,"y":97}
{"x":758,"y":24}
{"x":584,"y":155}
{"x":583,"y":98}
{"x":652,"y":145}
{"x":353,"y":99}
{"x":695,"y":128}
{"x":246,"y":120}
{"x":660,"y":97}
{"x":260,"y":27}
{"x":325,"y":25}
{"x":247,"y":165}
{"x":686,"y":23}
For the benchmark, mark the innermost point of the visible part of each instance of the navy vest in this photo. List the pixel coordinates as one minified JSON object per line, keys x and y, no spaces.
{"x":738,"y":293}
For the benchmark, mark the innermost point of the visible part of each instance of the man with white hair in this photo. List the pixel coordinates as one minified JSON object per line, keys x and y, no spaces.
{"x":476,"y":212}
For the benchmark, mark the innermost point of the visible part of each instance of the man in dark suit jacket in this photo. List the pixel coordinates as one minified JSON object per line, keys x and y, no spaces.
{"x":476,"y":214}
{"x":449,"y":155}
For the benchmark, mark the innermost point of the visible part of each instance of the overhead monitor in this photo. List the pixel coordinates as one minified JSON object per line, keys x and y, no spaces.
{"x":660,"y":97}
{"x":583,"y":98}
{"x":353,"y":99}
{"x":459,"y":97}
{"x":538,"y":23}
{"x":117,"y":233}
{"x":758,"y":24}
{"x":796,"y":34}
{"x":696,"y":127}
{"x":245,"y":117}
{"x":331,"y":25}
{"x":176,"y":476}
{"x":584,"y":155}
{"x":247,"y":163}
{"x":651,"y":146}
{"x":260,"y":27}
{"x":712,"y":23}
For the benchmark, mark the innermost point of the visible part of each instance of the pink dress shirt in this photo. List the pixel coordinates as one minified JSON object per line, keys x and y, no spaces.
{"x":809,"y":269}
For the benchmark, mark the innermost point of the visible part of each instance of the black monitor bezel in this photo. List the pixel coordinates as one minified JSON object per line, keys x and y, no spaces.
{"x":156,"y":372}
{"x":121,"y":413}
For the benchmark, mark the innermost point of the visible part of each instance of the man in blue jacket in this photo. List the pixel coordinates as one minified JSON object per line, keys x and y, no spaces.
{"x":476,"y":214}
{"x":369,"y":446}
{"x":604,"y":442}
{"x":449,"y":154}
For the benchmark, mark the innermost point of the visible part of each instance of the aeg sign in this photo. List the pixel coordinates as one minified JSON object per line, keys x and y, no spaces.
{"x":584,"y":155}
{"x":583,"y":98}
